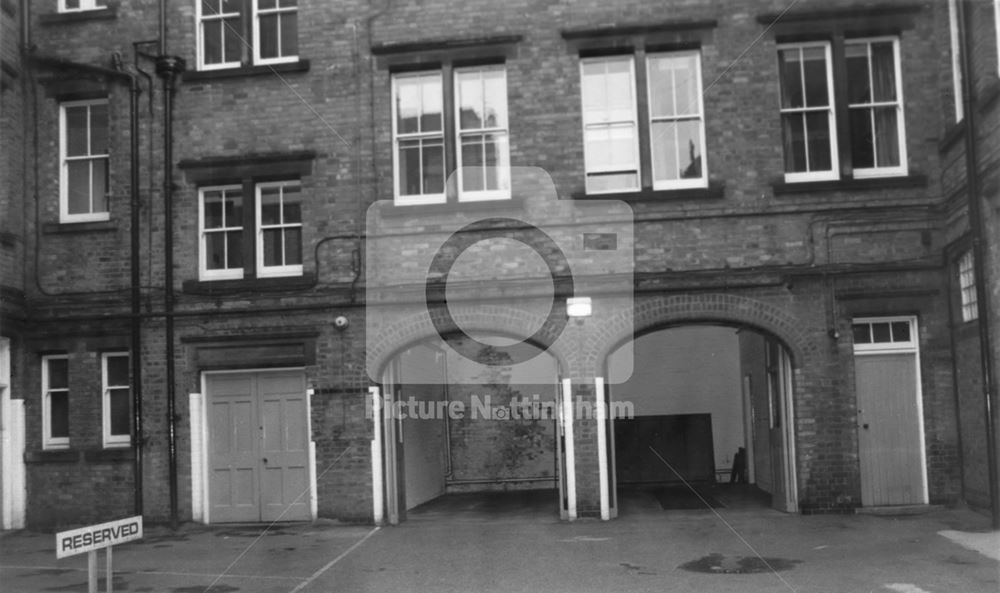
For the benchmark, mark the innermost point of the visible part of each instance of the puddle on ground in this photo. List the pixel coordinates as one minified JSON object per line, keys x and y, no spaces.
{"x":719,"y":564}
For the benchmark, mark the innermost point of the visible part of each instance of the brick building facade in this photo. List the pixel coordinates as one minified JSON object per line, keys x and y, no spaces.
{"x":809,"y":193}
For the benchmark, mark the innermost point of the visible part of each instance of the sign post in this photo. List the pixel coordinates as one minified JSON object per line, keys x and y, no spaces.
{"x":93,"y":538}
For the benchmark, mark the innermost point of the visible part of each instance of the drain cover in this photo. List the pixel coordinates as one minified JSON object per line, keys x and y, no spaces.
{"x":719,"y":564}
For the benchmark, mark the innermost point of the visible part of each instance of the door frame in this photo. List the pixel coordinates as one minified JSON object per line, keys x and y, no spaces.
{"x":200,"y":466}
{"x":911,"y":347}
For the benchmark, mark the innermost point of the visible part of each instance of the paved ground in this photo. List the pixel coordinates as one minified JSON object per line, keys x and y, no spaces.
{"x":476,"y":549}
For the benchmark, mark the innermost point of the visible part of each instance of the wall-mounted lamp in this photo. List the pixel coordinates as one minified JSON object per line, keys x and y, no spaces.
{"x":578,"y":307}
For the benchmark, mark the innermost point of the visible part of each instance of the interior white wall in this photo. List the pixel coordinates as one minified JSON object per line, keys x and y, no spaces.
{"x":687,"y":370}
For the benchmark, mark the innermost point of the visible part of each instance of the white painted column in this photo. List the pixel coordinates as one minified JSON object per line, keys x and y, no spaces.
{"x":570,"y":448}
{"x":195,"y":409}
{"x":378,"y":503}
{"x":313,"y":495}
{"x":601,"y":415}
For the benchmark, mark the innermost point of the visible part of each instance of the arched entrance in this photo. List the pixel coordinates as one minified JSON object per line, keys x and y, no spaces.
{"x":459,"y":436}
{"x":710,"y":423}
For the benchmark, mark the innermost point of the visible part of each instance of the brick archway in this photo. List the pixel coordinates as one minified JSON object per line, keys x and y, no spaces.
{"x":665,"y":311}
{"x":398,"y":335}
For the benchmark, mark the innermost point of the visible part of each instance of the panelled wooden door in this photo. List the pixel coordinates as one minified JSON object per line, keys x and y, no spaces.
{"x":890,"y":440}
{"x":258,"y":447}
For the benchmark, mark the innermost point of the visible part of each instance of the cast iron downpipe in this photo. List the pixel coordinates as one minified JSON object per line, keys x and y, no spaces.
{"x":135,"y":90}
{"x":168,"y":67}
{"x":979,"y":257}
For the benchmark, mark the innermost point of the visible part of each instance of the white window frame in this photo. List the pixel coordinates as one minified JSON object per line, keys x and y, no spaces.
{"x":200,"y":29}
{"x":112,"y":440}
{"x":48,"y":441}
{"x":831,"y":108}
{"x":956,"y":60}
{"x":282,"y":270}
{"x":968,"y":295}
{"x":996,"y":30}
{"x":64,"y":214}
{"x":85,"y":5}
{"x":634,"y":121}
{"x":256,"y":13}
{"x":677,"y":183}
{"x":477,"y":196}
{"x":417,"y":199}
{"x":203,"y":272}
{"x":894,"y":346}
{"x":902,"y":168}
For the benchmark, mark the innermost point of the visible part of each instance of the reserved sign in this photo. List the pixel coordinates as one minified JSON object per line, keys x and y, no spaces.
{"x":95,"y":537}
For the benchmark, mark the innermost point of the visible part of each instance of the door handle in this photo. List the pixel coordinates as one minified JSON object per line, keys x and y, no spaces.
{"x":865,"y":426}
{"x":265,"y":459}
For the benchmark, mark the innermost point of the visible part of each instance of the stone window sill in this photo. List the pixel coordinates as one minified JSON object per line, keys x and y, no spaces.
{"x":241,"y":71}
{"x":54,"y":228}
{"x":256,"y":285}
{"x":835,"y":185}
{"x":451,"y":207}
{"x":714,"y":191}
{"x":98,"y":14}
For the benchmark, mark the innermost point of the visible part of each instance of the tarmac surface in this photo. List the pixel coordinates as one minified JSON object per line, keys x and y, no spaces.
{"x":466,"y":547}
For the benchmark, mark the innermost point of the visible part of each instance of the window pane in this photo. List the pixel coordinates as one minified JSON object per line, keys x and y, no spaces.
{"x":661,"y":87}
{"x":272,"y":247}
{"x":791,"y":78}
{"x":78,"y":187}
{"x":76,"y":131}
{"x":495,"y":94}
{"x":59,"y":414}
{"x":901,"y":331}
{"x":814,"y":67}
{"x":858,"y":84}
{"x":213,"y":209}
{"x":265,"y":4}
{"x":595,"y":100}
{"x":234,"y":249}
{"x":99,"y":128}
{"x":433,"y":168}
{"x":862,"y":333}
{"x":99,"y":184}
{"x":612,"y":182}
{"x":72,"y":4}
{"x":689,"y":149}
{"x":472,"y":164}
{"x":234,"y":45}
{"x":407,"y":106}
{"x":818,"y":130}
{"x":431,"y":119}
{"x":58,"y":373}
{"x":884,"y":71}
{"x":880,"y":333}
{"x":409,"y":168}
{"x":117,"y":370}
{"x":292,"y":206}
{"x":674,"y":77}
{"x":664,"y":146}
{"x":793,"y":135}
{"x":470,"y":91}
{"x":119,"y":411}
{"x":886,"y":137}
{"x":268,"y":35}
{"x":293,"y":246}
{"x":212,"y":34}
{"x":270,"y":205}
{"x":289,"y":24}
{"x":215,"y":251}
{"x":495,"y":153}
{"x":862,"y":141}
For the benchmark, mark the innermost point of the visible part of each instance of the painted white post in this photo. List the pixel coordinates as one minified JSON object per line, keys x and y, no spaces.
{"x":108,"y":571}
{"x":378,"y":505}
{"x":569,"y":449}
{"x":14,"y":485}
{"x":601,"y":416}
{"x":197,"y":444}
{"x":313,"y":495}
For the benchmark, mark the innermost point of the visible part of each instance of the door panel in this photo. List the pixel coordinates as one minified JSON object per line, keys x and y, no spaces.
{"x":889,"y":428}
{"x":259,"y":440}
